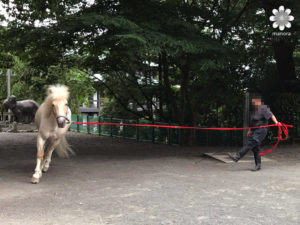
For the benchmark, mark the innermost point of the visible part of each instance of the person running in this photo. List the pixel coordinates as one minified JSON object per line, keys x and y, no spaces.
{"x":259,"y":117}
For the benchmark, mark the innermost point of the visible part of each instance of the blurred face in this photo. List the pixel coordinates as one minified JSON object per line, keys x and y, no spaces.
{"x":256,"y":102}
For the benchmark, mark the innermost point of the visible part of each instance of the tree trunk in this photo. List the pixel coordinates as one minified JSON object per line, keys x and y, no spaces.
{"x":160,"y":86}
{"x":186,"y":115}
{"x":170,"y":98}
{"x":283,"y":52}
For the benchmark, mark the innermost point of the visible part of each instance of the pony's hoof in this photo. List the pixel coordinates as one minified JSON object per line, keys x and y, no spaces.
{"x":45,"y":169}
{"x":35,"y":180}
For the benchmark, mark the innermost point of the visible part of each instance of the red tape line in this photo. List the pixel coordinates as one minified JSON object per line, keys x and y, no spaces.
{"x":281,"y":128}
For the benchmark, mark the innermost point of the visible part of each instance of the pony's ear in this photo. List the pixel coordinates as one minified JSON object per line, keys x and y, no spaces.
{"x":49,"y":91}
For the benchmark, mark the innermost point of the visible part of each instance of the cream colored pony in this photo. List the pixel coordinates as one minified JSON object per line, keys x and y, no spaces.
{"x":53,"y":120}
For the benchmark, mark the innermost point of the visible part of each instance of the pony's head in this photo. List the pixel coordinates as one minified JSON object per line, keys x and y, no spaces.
{"x":57,"y":99}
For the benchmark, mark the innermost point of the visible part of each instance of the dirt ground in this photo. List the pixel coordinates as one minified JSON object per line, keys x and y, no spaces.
{"x":116,"y":181}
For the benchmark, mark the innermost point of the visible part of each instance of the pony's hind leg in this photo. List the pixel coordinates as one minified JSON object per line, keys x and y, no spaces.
{"x":40,"y":154}
{"x":47,"y":157}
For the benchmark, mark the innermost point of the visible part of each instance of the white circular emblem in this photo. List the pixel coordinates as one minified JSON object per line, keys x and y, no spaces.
{"x":281,"y":18}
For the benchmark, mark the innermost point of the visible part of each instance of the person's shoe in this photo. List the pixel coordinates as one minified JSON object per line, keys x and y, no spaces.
{"x":256,"y":168}
{"x":233,"y":156}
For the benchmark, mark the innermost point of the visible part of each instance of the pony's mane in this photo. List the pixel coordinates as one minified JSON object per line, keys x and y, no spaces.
{"x":55,"y":92}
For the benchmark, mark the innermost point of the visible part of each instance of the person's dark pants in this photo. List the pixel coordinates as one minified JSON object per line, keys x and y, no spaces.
{"x":253,"y":143}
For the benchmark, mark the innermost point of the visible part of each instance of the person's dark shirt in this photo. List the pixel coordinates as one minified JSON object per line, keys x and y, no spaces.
{"x":260,"y":116}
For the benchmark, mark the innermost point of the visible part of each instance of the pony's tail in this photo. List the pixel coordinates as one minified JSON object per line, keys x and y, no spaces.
{"x":63,"y":149}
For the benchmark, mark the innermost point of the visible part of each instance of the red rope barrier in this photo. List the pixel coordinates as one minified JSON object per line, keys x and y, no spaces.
{"x":281,"y":128}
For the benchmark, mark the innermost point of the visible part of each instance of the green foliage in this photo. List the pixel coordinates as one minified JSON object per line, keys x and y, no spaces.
{"x":3,"y":85}
{"x":6,"y":61}
{"x":111,"y":108}
{"x":27,"y":85}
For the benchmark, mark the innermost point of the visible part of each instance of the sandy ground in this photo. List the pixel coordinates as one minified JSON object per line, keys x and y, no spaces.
{"x":115,"y":181}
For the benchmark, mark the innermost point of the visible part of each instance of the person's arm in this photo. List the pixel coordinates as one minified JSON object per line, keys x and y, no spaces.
{"x":249,"y":132}
{"x":274,"y":119}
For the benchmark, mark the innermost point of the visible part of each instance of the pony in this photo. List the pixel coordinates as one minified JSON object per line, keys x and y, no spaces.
{"x":53,"y":119}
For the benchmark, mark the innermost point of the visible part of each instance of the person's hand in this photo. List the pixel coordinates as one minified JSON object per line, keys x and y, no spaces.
{"x":249,"y":133}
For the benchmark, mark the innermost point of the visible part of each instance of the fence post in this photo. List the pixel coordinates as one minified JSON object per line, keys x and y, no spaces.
{"x":123,"y":129}
{"x":111,"y":130}
{"x":169,"y":135}
{"x":77,"y":120}
{"x":246,"y":116}
{"x":137,"y":130}
{"x":88,"y":126}
{"x":8,"y":74}
{"x":153,"y":132}
{"x":99,"y":126}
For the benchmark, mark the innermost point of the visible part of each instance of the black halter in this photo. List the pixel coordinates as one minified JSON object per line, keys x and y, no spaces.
{"x":64,"y":116}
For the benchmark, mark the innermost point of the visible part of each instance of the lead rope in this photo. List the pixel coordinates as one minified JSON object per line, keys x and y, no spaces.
{"x":281,"y":128}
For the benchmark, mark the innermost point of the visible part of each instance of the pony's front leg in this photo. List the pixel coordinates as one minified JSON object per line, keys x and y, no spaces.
{"x":40,"y":154}
{"x":47,"y":157}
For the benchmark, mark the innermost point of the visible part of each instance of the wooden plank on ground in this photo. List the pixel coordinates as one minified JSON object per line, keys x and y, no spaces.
{"x":223,"y":157}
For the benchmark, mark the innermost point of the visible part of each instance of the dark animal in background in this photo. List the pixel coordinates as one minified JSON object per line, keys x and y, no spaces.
{"x":4,"y":108}
{"x":22,"y":109}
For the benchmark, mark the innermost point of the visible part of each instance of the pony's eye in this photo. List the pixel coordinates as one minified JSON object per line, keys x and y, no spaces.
{"x":67,"y":104}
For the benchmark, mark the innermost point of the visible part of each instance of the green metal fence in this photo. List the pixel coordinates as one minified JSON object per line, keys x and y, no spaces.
{"x":285,"y":106}
{"x":152,"y":134}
